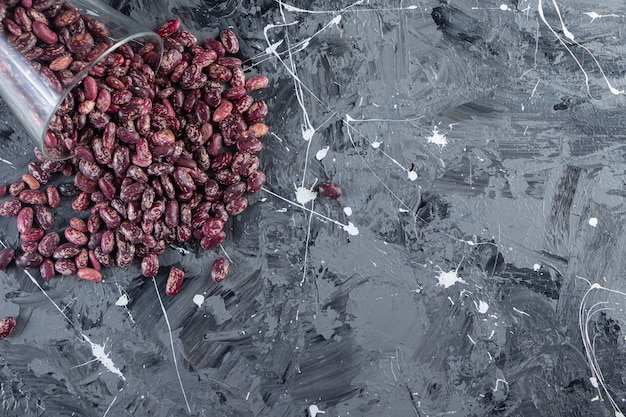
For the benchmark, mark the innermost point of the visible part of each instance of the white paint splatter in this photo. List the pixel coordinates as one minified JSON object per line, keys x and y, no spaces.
{"x":498,"y":381}
{"x":522,"y":312}
{"x":437,"y":138}
{"x":347,"y":227}
{"x":314,"y":411}
{"x":448,"y":279}
{"x":321,"y":154}
{"x":594,"y":15}
{"x":305,"y":195}
{"x":105,"y":360}
{"x":351,"y":229}
{"x":570,"y":36}
{"x":481,"y":306}
{"x":593,"y":222}
{"x":198,"y":299}
{"x":169,"y":331}
{"x":122,"y":301}
{"x":270,"y":50}
{"x":109,"y":407}
{"x":307,"y":132}
{"x":347,"y":211}
{"x":97,"y":350}
{"x":585,"y":317}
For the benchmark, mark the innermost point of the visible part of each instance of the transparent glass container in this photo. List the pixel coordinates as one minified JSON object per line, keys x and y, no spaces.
{"x":26,"y":89}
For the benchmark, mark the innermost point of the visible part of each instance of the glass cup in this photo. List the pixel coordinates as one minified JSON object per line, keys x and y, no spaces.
{"x":34,"y":88}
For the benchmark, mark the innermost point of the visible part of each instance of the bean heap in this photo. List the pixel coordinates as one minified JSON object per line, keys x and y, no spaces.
{"x":158,"y":157}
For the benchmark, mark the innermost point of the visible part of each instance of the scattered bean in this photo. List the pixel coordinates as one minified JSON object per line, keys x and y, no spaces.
{"x":219,"y":270}
{"x":7,"y":325}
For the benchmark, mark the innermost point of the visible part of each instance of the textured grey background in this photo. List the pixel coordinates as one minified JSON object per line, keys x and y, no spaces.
{"x":358,"y":325}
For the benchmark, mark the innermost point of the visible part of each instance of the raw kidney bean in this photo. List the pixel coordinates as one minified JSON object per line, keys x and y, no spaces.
{"x":7,"y":325}
{"x":95,"y":239}
{"x":255,"y":181}
{"x":104,"y":259}
{"x":158,"y":169}
{"x":83,"y":183}
{"x":107,"y":187}
{"x":25,"y":219}
{"x":53,"y":196}
{"x":46,"y":269}
{"x":257,"y":112}
{"x":168,"y":187}
{"x":221,"y":161}
{"x":185,"y":213}
{"x":219,"y":269}
{"x":10,"y":208}
{"x":6,"y":256}
{"x":133,"y":212}
{"x":258,"y":129}
{"x":28,"y":246}
{"x":330,"y":190}
{"x":30,"y":181}
{"x":90,"y":274}
{"x":236,"y":206}
{"x":212,"y":191}
{"x":95,"y":263}
{"x":256,"y":82}
{"x":172,"y":216}
{"x":17,"y":187}
{"x":33,"y":234}
{"x":93,"y":224}
{"x":242,"y":104}
{"x":222,"y":111}
{"x":107,"y":244}
{"x":48,"y":244}
{"x":230,"y":41}
{"x":75,"y":236}
{"x":44,"y":33}
{"x":168,"y":28}
{"x":131,"y":232}
{"x":147,"y":198}
{"x":174,"y":281}
{"x":209,"y":242}
{"x":155,"y":212}
{"x":132,"y":192}
{"x":66,"y":251}
{"x":250,"y":146}
{"x":81,"y":202}
{"x":212,"y":226}
{"x":150,"y":265}
{"x":65,"y":266}
{"x":234,"y":191}
{"x":119,"y":206}
{"x":82,"y":259}
{"x":183,"y":180}
{"x":83,"y":153}
{"x":78,"y":224}
{"x":143,"y":156}
{"x":125,"y":254}
{"x":29,"y":260}
{"x":33,"y":197}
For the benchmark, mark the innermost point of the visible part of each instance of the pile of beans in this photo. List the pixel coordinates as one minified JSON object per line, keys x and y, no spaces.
{"x":159,"y":158}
